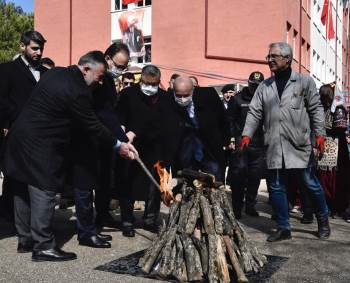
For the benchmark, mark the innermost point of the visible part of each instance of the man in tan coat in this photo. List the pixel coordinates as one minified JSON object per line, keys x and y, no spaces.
{"x":290,"y":109}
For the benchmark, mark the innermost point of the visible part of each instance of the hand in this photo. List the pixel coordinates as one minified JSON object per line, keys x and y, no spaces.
{"x":131,"y":135}
{"x":128,"y":151}
{"x":320,"y":140}
{"x":6,"y":131}
{"x":244,"y":143}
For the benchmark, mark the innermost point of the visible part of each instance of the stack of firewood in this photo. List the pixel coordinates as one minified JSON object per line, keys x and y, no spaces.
{"x":201,"y":239}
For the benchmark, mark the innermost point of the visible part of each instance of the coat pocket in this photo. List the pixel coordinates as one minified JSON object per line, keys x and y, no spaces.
{"x":297,"y":100}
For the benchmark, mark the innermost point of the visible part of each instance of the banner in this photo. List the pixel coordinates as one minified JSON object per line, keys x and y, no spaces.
{"x":130,"y":24}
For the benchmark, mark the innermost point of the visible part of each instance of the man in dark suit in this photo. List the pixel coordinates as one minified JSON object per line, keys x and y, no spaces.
{"x":195,"y":129}
{"x":18,"y":79}
{"x":92,"y":161}
{"x":38,"y":144}
{"x":139,"y":112}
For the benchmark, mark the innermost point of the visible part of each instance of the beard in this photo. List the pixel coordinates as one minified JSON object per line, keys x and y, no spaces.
{"x":33,"y":61}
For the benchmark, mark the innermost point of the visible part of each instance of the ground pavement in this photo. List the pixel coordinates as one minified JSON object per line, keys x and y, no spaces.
{"x":307,"y":258}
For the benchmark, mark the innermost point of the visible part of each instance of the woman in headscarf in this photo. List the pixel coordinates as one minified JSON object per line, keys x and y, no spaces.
{"x":334,"y":166}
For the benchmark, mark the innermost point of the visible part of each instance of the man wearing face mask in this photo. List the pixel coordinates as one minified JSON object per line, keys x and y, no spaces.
{"x":38,"y":146}
{"x":139,"y":111}
{"x":195,"y":129}
{"x":246,"y":166}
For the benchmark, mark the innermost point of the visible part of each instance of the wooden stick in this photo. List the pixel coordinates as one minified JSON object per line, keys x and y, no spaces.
{"x":222,"y":263}
{"x":234,"y":260}
{"x":207,"y":216}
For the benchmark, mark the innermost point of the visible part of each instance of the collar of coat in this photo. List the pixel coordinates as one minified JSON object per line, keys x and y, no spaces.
{"x":271,"y":82}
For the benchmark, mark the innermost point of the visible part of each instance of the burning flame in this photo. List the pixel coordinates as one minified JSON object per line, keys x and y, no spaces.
{"x":166,"y":193}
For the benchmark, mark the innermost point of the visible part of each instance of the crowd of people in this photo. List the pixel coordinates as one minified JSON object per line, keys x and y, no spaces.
{"x":80,"y":128}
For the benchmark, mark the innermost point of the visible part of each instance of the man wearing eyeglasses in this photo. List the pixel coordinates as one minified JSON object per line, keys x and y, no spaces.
{"x":290,"y":109}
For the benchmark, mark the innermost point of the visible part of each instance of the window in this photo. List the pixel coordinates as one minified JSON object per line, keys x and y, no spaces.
{"x":118,"y":5}
{"x":147,"y":58}
{"x":144,"y":3}
{"x":288,"y":35}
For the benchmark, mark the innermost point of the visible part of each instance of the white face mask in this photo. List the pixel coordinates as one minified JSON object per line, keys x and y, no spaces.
{"x":183,"y":101}
{"x":149,"y":90}
{"x":115,"y":72}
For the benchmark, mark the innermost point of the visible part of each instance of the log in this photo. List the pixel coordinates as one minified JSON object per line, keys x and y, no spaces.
{"x":193,"y":263}
{"x":165,"y":261}
{"x":215,"y":200}
{"x":234,"y":260}
{"x":226,"y":205}
{"x":222,"y":263}
{"x":202,"y":247}
{"x":207,"y":216}
{"x":180,"y":272}
{"x":213,"y":270}
{"x":193,"y":215}
{"x":156,"y":250}
{"x":184,"y":212}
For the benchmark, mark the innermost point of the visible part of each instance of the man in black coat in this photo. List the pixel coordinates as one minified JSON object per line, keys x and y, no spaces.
{"x":38,"y":143}
{"x":195,"y":129}
{"x":139,"y":111}
{"x":246,"y":166}
{"x":92,"y":161}
{"x":17,"y":80}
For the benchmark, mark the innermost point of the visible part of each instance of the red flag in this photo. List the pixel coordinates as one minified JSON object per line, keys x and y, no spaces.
{"x":126,"y":2}
{"x":327,"y":19}
{"x":331,"y":32}
{"x":324,"y":14}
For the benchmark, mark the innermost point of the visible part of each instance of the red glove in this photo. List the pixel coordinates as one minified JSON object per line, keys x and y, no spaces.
{"x":320,"y":144}
{"x":244,"y":142}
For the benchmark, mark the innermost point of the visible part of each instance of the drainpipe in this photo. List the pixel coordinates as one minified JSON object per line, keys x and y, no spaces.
{"x":70,"y":30}
{"x":300,"y":31}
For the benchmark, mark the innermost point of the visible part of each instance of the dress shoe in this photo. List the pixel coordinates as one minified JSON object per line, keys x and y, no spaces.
{"x":106,"y":238}
{"x":251,"y":211}
{"x":129,"y":231}
{"x":94,"y":242}
{"x":324,"y":230}
{"x":279,"y":235}
{"x":54,"y":254}
{"x":24,"y":248}
{"x":152,"y":227}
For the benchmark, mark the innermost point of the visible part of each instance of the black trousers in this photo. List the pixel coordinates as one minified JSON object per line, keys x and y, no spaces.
{"x":104,"y":179}
{"x":246,"y":172}
{"x":152,"y":207}
{"x":34,"y":212}
{"x":85,"y":212}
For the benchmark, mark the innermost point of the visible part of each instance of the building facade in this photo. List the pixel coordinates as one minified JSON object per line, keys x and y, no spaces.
{"x":218,"y":41}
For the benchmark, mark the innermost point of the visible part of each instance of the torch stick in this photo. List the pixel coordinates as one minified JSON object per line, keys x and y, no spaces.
{"x":148,"y":173}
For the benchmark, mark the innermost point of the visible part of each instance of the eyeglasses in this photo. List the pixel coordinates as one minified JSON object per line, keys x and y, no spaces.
{"x":120,"y":67}
{"x":274,"y":57}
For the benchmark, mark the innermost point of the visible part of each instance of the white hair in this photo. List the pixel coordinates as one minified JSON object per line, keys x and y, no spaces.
{"x":286,"y":49}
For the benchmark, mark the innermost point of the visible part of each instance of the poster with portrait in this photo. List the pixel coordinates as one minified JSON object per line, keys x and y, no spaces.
{"x":130,"y":24}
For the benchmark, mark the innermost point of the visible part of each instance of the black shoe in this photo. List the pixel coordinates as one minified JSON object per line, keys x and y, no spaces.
{"x":106,"y":238}
{"x":54,"y":254}
{"x":128,"y":232}
{"x":94,"y":242}
{"x":24,"y":248}
{"x":307,"y":219}
{"x":237,"y":213}
{"x":324,"y":230}
{"x":279,"y":235}
{"x":153,"y":227}
{"x":251,"y":211}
